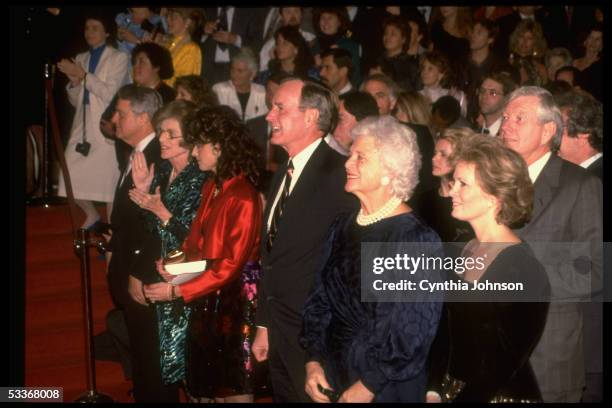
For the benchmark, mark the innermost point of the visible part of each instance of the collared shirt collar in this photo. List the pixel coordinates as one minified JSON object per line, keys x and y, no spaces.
{"x":299,"y":160}
{"x":347,"y":88}
{"x":536,"y":167}
{"x":494,"y":128}
{"x":585,"y":164}
{"x":144,"y":143}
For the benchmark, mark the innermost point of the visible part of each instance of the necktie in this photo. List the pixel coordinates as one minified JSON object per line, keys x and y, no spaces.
{"x":278,"y":210}
{"x":223,"y":26}
{"x":128,"y":167}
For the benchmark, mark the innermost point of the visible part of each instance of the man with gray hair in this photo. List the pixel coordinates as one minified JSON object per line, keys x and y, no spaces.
{"x":248,"y":99}
{"x":130,"y":259}
{"x":567,"y":211}
{"x":383,"y":89}
{"x":307,"y":194}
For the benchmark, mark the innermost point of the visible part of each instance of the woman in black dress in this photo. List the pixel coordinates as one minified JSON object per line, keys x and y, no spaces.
{"x":370,"y":351}
{"x":481,"y":352}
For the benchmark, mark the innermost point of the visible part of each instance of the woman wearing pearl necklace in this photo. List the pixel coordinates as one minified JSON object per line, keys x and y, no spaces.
{"x":370,"y":351}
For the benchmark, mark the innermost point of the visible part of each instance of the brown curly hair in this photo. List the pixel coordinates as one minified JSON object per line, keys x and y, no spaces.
{"x":502,"y":173}
{"x":221,"y":125}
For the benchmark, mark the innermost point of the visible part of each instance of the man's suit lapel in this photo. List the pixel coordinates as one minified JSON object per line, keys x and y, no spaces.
{"x":308,"y":180}
{"x":278,"y":177}
{"x":545,"y":186}
{"x":301,"y":193}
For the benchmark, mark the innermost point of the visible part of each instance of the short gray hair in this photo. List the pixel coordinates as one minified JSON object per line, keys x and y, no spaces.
{"x":142,"y":99}
{"x":548,"y":111}
{"x":247,"y":56}
{"x":323,"y":99}
{"x":399,"y":151}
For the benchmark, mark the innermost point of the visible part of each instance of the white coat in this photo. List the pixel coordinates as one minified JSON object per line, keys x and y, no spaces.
{"x":256,"y":105}
{"x":94,"y":177}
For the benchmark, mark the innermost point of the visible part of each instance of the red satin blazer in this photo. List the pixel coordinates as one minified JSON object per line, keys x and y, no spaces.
{"x":225,"y":232}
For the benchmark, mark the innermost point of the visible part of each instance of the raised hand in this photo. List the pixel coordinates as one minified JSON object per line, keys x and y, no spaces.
{"x":142,"y":176}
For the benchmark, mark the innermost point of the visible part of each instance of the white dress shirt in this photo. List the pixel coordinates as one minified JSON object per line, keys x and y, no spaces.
{"x":494,"y":128}
{"x":536,"y":167}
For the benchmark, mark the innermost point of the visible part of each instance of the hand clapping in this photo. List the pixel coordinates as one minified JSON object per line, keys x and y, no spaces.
{"x":73,"y":71}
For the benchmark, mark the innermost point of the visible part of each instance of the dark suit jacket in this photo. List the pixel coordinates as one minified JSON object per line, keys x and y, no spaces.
{"x":248,"y":23}
{"x":130,"y":256}
{"x":568,"y":208}
{"x":289,"y":269}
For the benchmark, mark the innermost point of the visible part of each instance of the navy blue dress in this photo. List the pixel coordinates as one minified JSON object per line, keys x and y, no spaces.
{"x":384,"y":344}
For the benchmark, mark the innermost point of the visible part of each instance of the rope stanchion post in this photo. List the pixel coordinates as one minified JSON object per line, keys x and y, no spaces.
{"x":47,"y":199}
{"x":81,"y":247}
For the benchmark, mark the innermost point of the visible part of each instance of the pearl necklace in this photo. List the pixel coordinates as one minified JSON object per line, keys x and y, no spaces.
{"x":381,"y":213}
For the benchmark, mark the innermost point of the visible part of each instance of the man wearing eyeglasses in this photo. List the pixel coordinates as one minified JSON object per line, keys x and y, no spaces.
{"x":492,"y":98}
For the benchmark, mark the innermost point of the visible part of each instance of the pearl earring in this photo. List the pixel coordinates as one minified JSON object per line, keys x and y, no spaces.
{"x":384,"y":180}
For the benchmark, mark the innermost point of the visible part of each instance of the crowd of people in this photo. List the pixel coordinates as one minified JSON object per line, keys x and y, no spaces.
{"x":273,"y":142}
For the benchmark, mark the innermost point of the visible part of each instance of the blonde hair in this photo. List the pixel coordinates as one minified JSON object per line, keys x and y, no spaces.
{"x":539,"y":42}
{"x":415,"y":106}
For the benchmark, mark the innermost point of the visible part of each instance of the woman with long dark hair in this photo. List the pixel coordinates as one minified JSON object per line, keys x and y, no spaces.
{"x":291,"y":55}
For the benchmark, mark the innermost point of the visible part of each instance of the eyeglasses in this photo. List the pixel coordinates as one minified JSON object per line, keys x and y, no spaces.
{"x":169,"y":133}
{"x":490,"y":92}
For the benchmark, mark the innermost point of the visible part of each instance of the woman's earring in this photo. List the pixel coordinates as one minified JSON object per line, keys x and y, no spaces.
{"x":384,"y":180}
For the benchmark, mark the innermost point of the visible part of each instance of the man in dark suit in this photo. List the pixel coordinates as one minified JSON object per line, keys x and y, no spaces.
{"x":307,"y":194}
{"x":228,"y":29}
{"x":566,"y":233}
{"x":131,"y":258}
{"x":582,"y":139}
{"x":581,"y":144}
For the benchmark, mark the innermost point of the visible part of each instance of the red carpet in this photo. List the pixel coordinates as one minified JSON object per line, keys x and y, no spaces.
{"x":55,"y":341}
